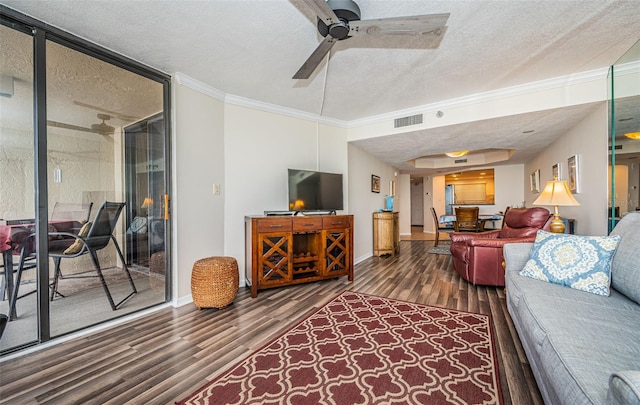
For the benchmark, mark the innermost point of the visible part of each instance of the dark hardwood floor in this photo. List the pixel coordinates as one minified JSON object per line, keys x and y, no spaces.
{"x":165,"y":356}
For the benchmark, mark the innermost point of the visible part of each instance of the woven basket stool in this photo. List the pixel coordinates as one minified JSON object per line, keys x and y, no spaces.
{"x":214,"y":282}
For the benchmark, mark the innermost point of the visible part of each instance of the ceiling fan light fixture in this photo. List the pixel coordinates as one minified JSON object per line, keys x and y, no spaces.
{"x":457,"y":154}
{"x":633,"y":135}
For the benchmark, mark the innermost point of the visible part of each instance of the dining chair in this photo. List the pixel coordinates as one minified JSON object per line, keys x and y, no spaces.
{"x":467,"y":219}
{"x":438,"y":226}
{"x":92,"y":237}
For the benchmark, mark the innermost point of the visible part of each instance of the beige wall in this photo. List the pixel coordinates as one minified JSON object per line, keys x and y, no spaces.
{"x":248,"y":150}
{"x":588,"y":140}
{"x":199,"y":161}
{"x":362,"y":202}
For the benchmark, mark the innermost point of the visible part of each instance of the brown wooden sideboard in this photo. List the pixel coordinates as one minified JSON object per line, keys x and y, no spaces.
{"x":286,"y":250}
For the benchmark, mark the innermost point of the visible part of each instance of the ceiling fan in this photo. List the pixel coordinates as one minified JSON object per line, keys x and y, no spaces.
{"x":102,"y":128}
{"x":340,"y":19}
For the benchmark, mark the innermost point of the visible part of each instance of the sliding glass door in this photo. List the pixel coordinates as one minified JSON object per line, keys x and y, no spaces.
{"x":17,"y":197}
{"x":96,"y":159}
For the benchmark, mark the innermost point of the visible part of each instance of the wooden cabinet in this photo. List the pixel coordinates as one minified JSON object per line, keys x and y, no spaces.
{"x":386,"y":233}
{"x":282,"y":251}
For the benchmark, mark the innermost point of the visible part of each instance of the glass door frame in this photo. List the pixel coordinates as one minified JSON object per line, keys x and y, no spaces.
{"x":41,"y":33}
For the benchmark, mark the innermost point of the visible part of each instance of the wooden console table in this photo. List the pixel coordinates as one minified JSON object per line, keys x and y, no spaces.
{"x":281,"y":251}
{"x":386,"y":233}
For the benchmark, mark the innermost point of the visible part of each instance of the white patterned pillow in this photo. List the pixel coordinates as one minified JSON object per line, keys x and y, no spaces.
{"x":580,"y":262}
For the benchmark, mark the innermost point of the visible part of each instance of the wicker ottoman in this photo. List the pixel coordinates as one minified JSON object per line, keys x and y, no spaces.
{"x":214,"y":282}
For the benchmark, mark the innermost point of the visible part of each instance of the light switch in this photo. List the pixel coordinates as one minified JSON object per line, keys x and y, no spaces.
{"x":216,"y":189}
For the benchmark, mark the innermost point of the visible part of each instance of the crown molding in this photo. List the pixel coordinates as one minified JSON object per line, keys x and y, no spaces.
{"x":198,"y":86}
{"x":289,"y":112}
{"x":528,"y":88}
{"x":203,"y":88}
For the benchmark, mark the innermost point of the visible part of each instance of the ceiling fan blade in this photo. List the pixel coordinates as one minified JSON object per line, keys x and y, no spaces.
{"x":431,"y":24}
{"x":75,"y":127}
{"x":69,"y":126}
{"x":323,"y":11}
{"x":116,"y":114}
{"x":316,"y":57}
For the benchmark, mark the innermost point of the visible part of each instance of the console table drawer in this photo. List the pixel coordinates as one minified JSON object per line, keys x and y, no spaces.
{"x":336,"y":222}
{"x":307,"y":224}
{"x":274,"y":225}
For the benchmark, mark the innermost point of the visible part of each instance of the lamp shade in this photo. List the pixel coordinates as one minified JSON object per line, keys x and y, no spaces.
{"x":147,"y":202}
{"x":633,"y":135}
{"x":556,"y":192}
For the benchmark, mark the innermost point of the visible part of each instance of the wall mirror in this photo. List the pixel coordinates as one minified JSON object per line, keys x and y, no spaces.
{"x":472,"y":187}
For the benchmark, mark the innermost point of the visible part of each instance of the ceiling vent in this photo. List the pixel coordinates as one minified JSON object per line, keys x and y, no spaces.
{"x":460,"y":161}
{"x":407,"y":121}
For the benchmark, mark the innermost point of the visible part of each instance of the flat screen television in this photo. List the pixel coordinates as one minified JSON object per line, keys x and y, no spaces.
{"x":315,"y":191}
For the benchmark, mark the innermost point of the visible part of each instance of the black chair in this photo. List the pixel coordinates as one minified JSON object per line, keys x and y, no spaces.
{"x":92,"y":238}
{"x":439,"y":227}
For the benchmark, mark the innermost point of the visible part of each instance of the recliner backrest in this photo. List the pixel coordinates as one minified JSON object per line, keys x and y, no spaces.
{"x":524,"y":222}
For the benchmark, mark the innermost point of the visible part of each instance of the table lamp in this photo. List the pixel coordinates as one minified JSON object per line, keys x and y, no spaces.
{"x":556,"y":192}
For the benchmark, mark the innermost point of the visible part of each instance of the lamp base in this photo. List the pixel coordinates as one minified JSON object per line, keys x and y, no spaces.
{"x":557,"y":225}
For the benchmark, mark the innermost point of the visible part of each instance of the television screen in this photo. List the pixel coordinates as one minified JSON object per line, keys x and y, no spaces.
{"x":312,"y":191}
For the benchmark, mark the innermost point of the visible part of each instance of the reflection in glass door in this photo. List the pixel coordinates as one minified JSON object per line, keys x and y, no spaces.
{"x":17,"y":197}
{"x":68,"y":196}
{"x":90,"y":104}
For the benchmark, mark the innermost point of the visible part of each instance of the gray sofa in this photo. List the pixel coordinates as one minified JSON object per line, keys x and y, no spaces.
{"x":583,"y":348}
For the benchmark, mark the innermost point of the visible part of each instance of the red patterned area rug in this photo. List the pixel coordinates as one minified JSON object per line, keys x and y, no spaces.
{"x":364,"y":349}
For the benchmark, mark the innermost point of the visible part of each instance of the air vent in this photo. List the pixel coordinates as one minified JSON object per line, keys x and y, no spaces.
{"x":617,"y":147}
{"x":460,"y":161}
{"x":406,"y":121}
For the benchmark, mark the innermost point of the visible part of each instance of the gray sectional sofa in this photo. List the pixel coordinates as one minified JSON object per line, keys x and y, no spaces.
{"x":583,"y":348}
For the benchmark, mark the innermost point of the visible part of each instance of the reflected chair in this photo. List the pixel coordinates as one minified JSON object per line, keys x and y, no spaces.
{"x":467,"y":220}
{"x":63,"y":211}
{"x":92,"y":238}
{"x":77,"y":213}
{"x":438,"y":226}
{"x":478,"y":257}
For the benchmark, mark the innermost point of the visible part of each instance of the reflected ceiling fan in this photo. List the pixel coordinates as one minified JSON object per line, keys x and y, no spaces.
{"x":340,"y":19}
{"x":102,"y":128}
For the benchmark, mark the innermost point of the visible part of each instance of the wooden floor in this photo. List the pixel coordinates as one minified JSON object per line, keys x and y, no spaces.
{"x":167,"y":355}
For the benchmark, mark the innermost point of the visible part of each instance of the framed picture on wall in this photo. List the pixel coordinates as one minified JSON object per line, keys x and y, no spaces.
{"x":535,"y":181}
{"x":375,"y":183}
{"x":573,"y":168}
{"x":555,"y":171}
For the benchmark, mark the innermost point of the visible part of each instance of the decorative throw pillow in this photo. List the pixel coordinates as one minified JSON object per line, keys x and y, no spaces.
{"x":579,"y":262}
{"x":138,"y":226}
{"x":77,"y":245}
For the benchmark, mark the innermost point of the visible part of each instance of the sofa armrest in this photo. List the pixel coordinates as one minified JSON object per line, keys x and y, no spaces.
{"x":516,"y":255}
{"x":624,"y":388}
{"x":457,"y":237}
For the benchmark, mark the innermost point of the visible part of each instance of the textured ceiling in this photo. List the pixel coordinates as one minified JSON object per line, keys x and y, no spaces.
{"x":252,"y":49}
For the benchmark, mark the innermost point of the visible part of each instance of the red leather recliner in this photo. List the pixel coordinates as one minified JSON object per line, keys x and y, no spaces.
{"x":477,"y":257}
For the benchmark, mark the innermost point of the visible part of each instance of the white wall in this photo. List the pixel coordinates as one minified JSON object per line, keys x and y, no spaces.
{"x":588,"y":140}
{"x":199,"y":162}
{"x":403,"y":202}
{"x":362,"y":202}
{"x":417,"y":203}
{"x":259,"y":148}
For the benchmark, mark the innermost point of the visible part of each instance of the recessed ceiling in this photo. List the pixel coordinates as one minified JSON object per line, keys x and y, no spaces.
{"x":252,"y":49}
